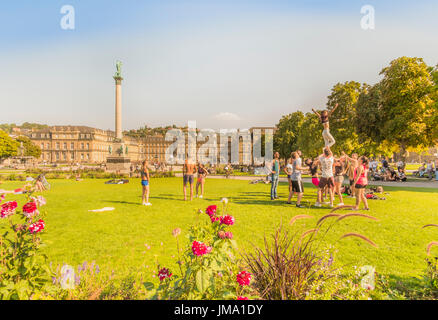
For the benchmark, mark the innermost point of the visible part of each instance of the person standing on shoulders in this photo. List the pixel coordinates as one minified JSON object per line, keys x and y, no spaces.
{"x":329,"y":141}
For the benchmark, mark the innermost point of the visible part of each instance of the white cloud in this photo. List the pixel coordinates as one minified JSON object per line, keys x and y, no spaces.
{"x":227,"y":116}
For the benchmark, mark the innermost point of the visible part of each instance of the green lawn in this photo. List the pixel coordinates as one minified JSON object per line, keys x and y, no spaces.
{"x":117,"y":239}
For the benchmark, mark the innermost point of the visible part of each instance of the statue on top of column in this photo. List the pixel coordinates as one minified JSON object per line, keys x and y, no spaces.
{"x":119,"y":69}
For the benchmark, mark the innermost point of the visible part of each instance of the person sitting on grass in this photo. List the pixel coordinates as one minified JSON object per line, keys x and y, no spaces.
{"x":361,"y":182}
{"x":144,"y":172}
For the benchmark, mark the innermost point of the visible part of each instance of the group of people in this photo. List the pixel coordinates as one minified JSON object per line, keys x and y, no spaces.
{"x":332,"y":168}
{"x":328,"y":173}
{"x":190,"y":169}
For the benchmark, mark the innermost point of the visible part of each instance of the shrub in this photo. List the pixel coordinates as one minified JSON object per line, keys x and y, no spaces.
{"x":23,"y":268}
{"x":293,"y":267}
{"x":208,"y":268}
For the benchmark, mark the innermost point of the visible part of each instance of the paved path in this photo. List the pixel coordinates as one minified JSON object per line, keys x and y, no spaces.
{"x":408,"y":184}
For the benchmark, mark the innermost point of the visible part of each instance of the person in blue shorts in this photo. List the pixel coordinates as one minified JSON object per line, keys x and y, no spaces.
{"x":144,"y":172}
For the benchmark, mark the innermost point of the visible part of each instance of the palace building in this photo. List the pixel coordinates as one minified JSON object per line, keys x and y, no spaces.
{"x":82,"y":144}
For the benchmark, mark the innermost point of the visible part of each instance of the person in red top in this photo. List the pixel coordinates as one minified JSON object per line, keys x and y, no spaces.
{"x":361,"y":181}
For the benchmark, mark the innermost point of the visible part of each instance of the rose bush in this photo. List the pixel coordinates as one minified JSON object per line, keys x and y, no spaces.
{"x":208,"y":267}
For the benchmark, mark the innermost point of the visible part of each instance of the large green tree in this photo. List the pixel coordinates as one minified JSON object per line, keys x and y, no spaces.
{"x":286,"y":135}
{"x":408,"y":108}
{"x":343,"y":120}
{"x":8,"y":146}
{"x":309,"y":139}
{"x":30,"y":149}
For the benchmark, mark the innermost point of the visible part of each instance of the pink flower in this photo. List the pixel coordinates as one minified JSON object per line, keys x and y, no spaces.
{"x":30,"y":209}
{"x":243,"y":278}
{"x":228,"y":235}
{"x":199,"y":248}
{"x":37,"y":226}
{"x":8,"y":209}
{"x":227,"y":220}
{"x":211,"y":210}
{"x":164,"y":273}
{"x":2,"y":197}
{"x":242,"y":298}
{"x":214,"y":219}
{"x":221,"y":234}
{"x":40,"y":201}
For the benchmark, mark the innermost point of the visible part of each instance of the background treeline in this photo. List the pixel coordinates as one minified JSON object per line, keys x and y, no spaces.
{"x":397,"y":114}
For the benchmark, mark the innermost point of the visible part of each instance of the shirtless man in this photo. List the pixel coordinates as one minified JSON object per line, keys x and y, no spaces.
{"x":189,"y":169}
{"x":352,"y":165}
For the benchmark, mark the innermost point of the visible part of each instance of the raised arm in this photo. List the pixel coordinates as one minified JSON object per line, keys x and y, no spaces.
{"x":315,"y":112}
{"x":333,"y":110}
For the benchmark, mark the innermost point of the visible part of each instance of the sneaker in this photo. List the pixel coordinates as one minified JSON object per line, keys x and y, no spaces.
{"x":200,"y":197}
{"x":340,"y":204}
{"x":326,"y":202}
{"x":148,"y":204}
{"x":300,"y":206}
{"x":331,"y":206}
{"x":317,"y":204}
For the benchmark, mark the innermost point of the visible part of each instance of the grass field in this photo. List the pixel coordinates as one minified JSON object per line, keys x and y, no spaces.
{"x":118,"y":239}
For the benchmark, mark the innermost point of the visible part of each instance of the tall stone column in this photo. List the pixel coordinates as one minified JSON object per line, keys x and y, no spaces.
{"x":118,"y":80}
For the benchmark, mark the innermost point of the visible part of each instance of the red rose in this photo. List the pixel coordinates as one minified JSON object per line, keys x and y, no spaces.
{"x":164,"y":273}
{"x":211,"y":210}
{"x":30,"y":209}
{"x":243,"y":278}
{"x":199,"y":248}
{"x":8,"y":209}
{"x":227,"y":220}
{"x":242,"y":298}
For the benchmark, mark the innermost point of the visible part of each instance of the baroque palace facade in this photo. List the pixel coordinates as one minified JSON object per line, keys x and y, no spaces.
{"x":81,"y":144}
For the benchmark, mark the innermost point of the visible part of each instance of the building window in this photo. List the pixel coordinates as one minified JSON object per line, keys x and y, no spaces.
{"x":57,"y":156}
{"x":57,"y":146}
{"x":88,"y":156}
{"x":64,"y":155}
{"x":72,"y":145}
{"x":82,"y":156}
{"x":42,"y":145}
{"x":65,"y":145}
{"x":82,"y":146}
{"x":72,"y":156}
{"x":48,"y":146}
{"x":88,"y":146}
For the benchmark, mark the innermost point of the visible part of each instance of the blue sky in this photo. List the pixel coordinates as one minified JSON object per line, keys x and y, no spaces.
{"x":222,"y":63}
